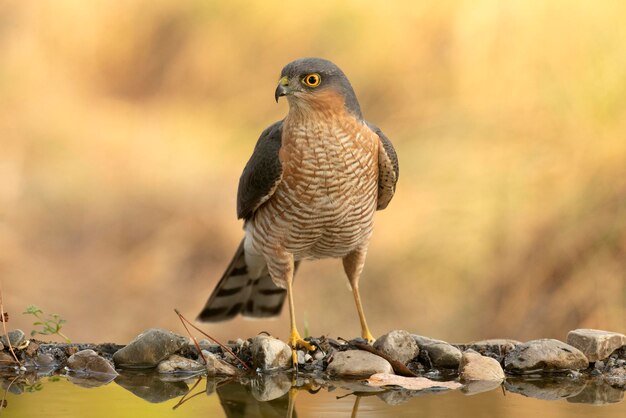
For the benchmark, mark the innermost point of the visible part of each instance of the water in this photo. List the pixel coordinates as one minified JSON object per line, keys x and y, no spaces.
{"x":148,"y":395}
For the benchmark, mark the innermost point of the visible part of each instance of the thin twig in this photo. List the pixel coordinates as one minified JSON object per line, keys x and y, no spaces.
{"x":4,"y":326}
{"x":182,"y":318}
{"x":4,"y":396}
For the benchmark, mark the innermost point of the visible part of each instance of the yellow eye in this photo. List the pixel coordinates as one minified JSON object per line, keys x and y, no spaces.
{"x":312,"y":80}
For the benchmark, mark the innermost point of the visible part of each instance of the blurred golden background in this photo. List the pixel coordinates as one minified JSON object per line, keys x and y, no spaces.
{"x":125,"y":126}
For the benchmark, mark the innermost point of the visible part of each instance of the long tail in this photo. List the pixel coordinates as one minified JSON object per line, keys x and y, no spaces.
{"x":239,"y":293}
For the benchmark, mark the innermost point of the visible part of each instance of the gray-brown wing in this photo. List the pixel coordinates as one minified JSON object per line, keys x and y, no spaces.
{"x":388,"y":168}
{"x":262,"y":173}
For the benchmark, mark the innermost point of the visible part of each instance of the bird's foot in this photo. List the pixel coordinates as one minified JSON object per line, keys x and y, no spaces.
{"x":367,"y":336}
{"x":295,"y":341}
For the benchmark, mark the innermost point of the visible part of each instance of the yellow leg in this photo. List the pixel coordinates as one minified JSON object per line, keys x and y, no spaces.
{"x":295,"y":340}
{"x":365,"y":331}
{"x":353,"y":265}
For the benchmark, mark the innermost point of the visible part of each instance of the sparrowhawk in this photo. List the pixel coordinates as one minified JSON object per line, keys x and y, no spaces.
{"x":309,"y":191}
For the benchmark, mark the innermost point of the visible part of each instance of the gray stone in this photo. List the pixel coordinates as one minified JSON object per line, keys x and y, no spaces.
{"x":269,"y":353}
{"x":45,"y":360}
{"x":179,"y":364}
{"x":16,"y":337}
{"x":6,"y":359}
{"x":597,"y":392}
{"x":399,"y":345}
{"x":616,"y":377}
{"x":596,"y":344}
{"x":545,"y":355}
{"x":439,"y":353}
{"x":357,"y":363}
{"x":476,"y":367}
{"x":218,"y":367}
{"x":89,"y":362}
{"x":148,"y":349}
{"x":547,"y":388}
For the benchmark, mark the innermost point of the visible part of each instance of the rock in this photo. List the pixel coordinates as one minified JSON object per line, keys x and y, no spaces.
{"x":1,"y":346}
{"x":616,"y":377}
{"x":148,"y":349}
{"x":399,"y":345}
{"x":547,"y":388}
{"x":178,"y":364}
{"x":269,"y":353}
{"x":357,"y":363}
{"x":45,"y":361}
{"x":16,"y":337}
{"x":476,"y":367}
{"x":544,"y":355}
{"x":438,"y":353}
{"x":597,"y":392}
{"x":218,"y":367}
{"x":89,"y":362}
{"x":596,"y":344}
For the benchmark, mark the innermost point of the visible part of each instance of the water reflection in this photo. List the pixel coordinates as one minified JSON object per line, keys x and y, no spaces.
{"x":276,"y":395}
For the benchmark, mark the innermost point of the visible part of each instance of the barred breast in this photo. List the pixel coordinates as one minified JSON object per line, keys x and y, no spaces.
{"x":324,"y":205}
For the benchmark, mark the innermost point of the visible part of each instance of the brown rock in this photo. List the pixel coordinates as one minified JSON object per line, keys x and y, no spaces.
{"x":218,"y":367}
{"x":476,"y":367}
{"x":270,"y":353}
{"x":596,"y":344}
{"x":358,"y":363}
{"x":399,"y":345}
{"x":178,"y":364}
{"x":88,"y":361}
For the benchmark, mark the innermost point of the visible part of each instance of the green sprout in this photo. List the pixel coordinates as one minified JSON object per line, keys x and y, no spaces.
{"x":51,"y":324}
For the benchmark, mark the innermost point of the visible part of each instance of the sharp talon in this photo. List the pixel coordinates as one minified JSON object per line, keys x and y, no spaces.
{"x":367,"y":336}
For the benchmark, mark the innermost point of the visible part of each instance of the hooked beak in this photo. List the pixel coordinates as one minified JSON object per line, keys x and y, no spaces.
{"x":282,"y":89}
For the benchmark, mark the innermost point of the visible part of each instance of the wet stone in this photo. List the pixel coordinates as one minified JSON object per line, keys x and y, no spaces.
{"x":89,"y":362}
{"x":218,"y":367}
{"x":475,"y":387}
{"x":399,"y":345}
{"x":16,"y":337}
{"x":596,"y":344}
{"x":546,"y":355}
{"x":148,"y":349}
{"x":437,"y":353}
{"x":178,"y":364}
{"x":357,"y":363}
{"x":270,"y":353}
{"x":269,"y":387}
{"x":476,"y":367}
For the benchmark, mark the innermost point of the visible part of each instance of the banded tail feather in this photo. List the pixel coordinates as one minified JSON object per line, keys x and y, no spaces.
{"x":238,"y":292}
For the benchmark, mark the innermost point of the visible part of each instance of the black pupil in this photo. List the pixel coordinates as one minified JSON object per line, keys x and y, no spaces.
{"x":312,"y":79}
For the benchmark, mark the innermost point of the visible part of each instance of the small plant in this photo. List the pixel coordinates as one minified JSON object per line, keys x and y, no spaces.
{"x":50,"y":324}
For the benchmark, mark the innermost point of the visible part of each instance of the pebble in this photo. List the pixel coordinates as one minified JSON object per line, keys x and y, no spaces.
{"x":148,"y":349}
{"x":440,"y":353}
{"x":215,"y":366}
{"x":546,"y":355}
{"x":596,"y":344}
{"x":358,"y":363}
{"x":16,"y":337}
{"x":399,"y":345}
{"x":89,"y":362}
{"x":477,"y":367}
{"x":269,"y":353}
{"x":496,"y":348}
{"x":178,"y":364}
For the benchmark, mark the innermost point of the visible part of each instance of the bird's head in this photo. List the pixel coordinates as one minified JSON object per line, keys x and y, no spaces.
{"x":310,"y":83}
